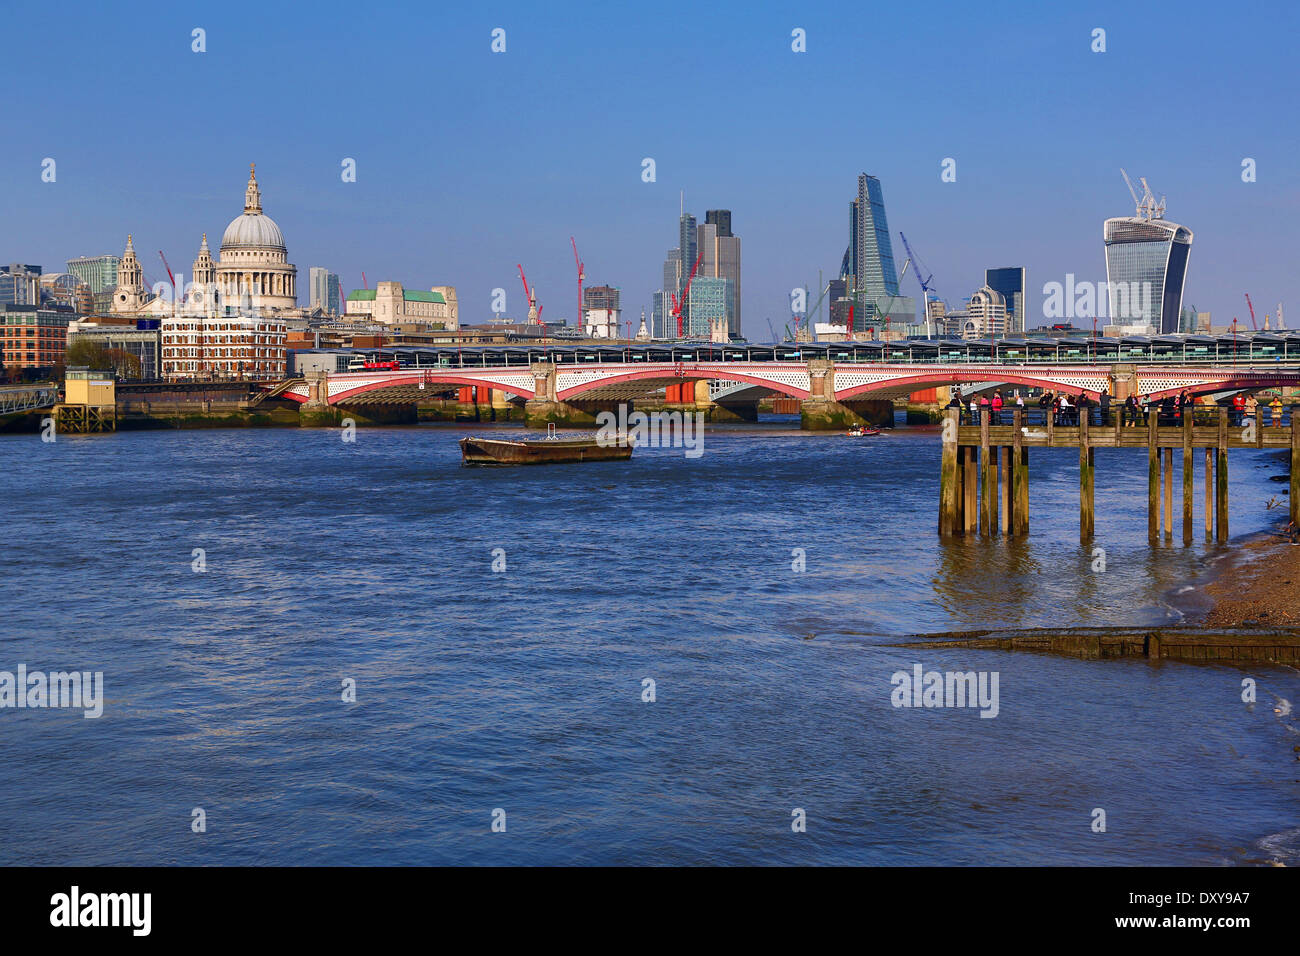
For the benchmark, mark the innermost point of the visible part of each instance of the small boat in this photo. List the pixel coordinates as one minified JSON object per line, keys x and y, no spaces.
{"x":862,"y":431}
{"x":550,"y":450}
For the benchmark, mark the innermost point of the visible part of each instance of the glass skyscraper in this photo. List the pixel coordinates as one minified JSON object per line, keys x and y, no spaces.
{"x":869,"y":259}
{"x":1011,"y":284}
{"x":1146,"y":267}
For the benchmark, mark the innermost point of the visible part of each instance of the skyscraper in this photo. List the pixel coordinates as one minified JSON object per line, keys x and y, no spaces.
{"x":868,"y":263}
{"x":721,"y":260}
{"x":1010,"y":283}
{"x":662,"y":322}
{"x":686,"y":248}
{"x":325,"y":290}
{"x":1146,"y":265}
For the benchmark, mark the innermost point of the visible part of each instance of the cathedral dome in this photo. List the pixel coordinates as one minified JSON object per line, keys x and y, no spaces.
{"x":253,"y":230}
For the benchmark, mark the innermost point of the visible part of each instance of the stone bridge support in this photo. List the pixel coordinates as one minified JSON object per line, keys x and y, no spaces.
{"x":317,"y":412}
{"x":821,"y":412}
{"x":545,"y":408}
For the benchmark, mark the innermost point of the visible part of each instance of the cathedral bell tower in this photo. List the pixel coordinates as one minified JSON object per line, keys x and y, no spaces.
{"x":129,"y":294}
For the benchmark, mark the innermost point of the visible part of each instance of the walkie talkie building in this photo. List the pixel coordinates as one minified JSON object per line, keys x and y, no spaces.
{"x":1146,"y":266}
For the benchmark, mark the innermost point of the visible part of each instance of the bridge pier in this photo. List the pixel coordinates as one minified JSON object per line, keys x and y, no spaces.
{"x":984,"y":488}
{"x":317,"y":412}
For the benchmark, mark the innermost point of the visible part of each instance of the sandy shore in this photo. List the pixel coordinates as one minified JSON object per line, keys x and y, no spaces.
{"x":1260,"y":587}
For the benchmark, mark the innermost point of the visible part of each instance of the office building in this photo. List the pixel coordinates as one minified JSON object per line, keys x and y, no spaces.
{"x":390,"y":302}
{"x":1011,"y":283}
{"x":986,"y":315}
{"x":707,"y":307}
{"x":721,"y":259}
{"x":20,"y":284}
{"x":326,"y":291}
{"x":100,"y":274}
{"x":1146,"y":266}
{"x":601,"y":312}
{"x":33,"y":336}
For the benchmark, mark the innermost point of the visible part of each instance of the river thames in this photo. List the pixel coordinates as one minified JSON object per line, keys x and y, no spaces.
{"x":228,"y":583}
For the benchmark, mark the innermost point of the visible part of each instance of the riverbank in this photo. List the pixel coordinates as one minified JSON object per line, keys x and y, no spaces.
{"x":1260,"y":588}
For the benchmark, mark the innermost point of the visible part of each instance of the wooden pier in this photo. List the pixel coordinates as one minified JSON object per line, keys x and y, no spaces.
{"x":984,"y":468}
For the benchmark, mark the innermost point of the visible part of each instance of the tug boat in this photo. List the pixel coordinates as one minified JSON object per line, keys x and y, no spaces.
{"x":551,"y":450}
{"x":862,"y":431}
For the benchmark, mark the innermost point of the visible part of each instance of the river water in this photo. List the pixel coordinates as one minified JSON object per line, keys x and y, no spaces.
{"x":517,"y":695}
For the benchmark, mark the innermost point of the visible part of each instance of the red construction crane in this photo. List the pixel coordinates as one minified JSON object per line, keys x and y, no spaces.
{"x":534,"y":311}
{"x":364,"y":284}
{"x":171,"y":277}
{"x":582,"y":274}
{"x":1252,"y":313}
{"x":686,"y":290}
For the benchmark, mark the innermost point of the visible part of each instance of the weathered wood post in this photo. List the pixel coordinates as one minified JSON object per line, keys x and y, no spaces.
{"x":1259,"y":425}
{"x":1085,"y":479}
{"x":1189,"y":475}
{"x":1209,"y":496}
{"x":1004,"y":486}
{"x":1221,"y":480}
{"x":988,"y":494}
{"x":948,"y":477}
{"x":1295,"y":464}
{"x":1020,"y":477}
{"x":1169,"y":494}
{"x":970,"y":508}
{"x":1153,"y":482}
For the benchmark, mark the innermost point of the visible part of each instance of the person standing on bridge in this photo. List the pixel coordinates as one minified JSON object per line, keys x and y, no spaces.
{"x":1129,"y":412}
{"x":996,"y":405}
{"x":1275,"y":407}
{"x":1238,"y":409}
{"x":1104,"y":403}
{"x":1251,"y":406}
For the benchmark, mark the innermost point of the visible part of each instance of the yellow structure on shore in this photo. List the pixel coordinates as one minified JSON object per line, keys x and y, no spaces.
{"x":89,"y":402}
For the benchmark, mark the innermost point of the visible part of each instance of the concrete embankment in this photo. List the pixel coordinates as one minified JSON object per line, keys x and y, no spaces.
{"x":1205,"y":645}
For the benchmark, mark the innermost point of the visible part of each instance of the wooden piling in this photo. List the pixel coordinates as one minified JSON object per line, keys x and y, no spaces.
{"x":1209,"y":496}
{"x":948,"y":476}
{"x":1169,"y":493}
{"x":1295,"y":464}
{"x":1189,"y":476}
{"x":970,"y":507}
{"x":1259,"y":425}
{"x":1153,"y":481}
{"x":1085,"y":479}
{"x":1221,"y":480}
{"x":1004,"y":486}
{"x":1020,"y":477}
{"x":988,"y":496}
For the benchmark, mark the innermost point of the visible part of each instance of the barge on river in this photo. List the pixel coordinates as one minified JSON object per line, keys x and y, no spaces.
{"x":541,"y":451}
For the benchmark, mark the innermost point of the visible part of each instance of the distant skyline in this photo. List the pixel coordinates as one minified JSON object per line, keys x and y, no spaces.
{"x":470,"y":161}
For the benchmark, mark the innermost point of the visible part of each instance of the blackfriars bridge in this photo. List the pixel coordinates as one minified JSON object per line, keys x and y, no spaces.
{"x":834,"y":384}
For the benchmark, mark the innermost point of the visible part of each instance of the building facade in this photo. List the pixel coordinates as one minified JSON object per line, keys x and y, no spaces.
{"x":326,"y":291}
{"x":986,"y":315}
{"x":20,"y":284}
{"x":33,"y":336}
{"x":707,"y":301}
{"x":100,"y":274}
{"x":721,"y":260}
{"x":222,"y":347}
{"x":143,"y":343}
{"x":601,"y":312}
{"x":390,"y":302}
{"x":1146,"y":266}
{"x":1011,"y":283}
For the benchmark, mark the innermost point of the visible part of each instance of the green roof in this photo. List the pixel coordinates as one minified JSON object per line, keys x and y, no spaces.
{"x":418,"y":295}
{"x":361,"y":295}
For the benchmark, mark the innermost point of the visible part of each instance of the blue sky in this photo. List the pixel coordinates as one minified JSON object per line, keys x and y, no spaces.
{"x":469,"y":162}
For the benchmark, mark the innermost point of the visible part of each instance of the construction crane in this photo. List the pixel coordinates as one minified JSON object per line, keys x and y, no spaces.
{"x":582,"y":274}
{"x":530,"y":295}
{"x":171,"y":277}
{"x":923,"y":279}
{"x":1147,"y":207}
{"x":1253,"y":324}
{"x":686,"y":290}
{"x":364,"y":284}
{"x":771,"y":329}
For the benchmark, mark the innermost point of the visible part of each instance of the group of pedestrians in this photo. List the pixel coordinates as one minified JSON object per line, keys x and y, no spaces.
{"x":1133,"y":411}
